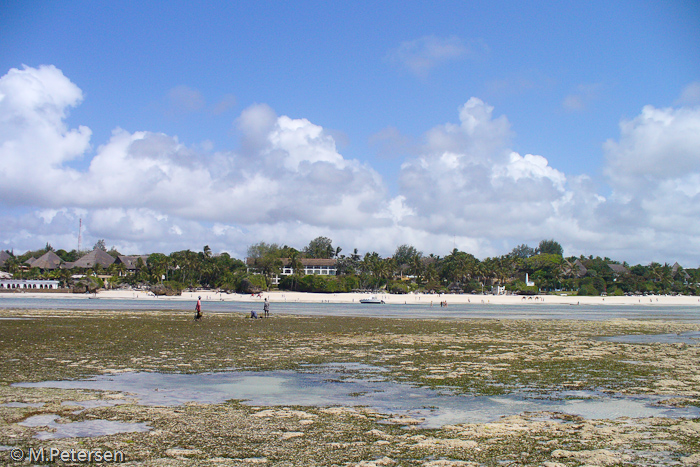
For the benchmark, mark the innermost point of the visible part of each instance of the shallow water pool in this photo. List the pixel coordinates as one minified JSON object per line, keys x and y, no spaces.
{"x":363,"y":385}
{"x":83,"y":429}
{"x":690,"y":337}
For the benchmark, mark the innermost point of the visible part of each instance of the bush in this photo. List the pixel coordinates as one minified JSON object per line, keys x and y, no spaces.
{"x":397,"y":287}
{"x":618,"y":292}
{"x":321,"y":284}
{"x":473,"y":286}
{"x":531,"y":290}
{"x":588,"y":289}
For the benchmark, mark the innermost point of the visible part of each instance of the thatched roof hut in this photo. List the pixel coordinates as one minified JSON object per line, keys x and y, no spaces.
{"x":91,"y":259}
{"x":131,"y":262}
{"x":579,"y":269}
{"x":48,"y":261}
{"x":618,"y":269}
{"x":4,"y":256}
{"x":676,"y":268}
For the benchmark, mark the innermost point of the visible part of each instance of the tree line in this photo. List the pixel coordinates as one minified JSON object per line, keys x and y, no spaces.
{"x":525,"y":270}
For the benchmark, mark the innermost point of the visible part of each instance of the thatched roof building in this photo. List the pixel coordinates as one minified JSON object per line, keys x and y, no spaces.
{"x":675,"y":270}
{"x":4,"y":256}
{"x":91,"y":259}
{"x":131,"y":262}
{"x":579,"y":269}
{"x":618,"y":269}
{"x":48,"y":261}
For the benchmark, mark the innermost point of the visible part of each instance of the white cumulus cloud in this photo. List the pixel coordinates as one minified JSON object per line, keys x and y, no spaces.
{"x":288,"y":182}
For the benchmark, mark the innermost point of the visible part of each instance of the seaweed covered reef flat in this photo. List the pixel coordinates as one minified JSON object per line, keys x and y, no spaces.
{"x":475,"y":357}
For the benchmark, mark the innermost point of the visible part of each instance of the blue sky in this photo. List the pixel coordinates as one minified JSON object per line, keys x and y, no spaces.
{"x":375,"y":125}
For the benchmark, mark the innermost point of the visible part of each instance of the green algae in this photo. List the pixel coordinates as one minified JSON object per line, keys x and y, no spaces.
{"x":480,"y":357}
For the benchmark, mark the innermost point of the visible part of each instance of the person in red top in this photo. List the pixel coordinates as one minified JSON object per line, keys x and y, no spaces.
{"x":198,"y":309}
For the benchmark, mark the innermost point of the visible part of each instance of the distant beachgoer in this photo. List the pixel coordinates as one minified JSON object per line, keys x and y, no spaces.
{"x":198,"y":309}
{"x":266,"y":308}
{"x":253,"y":314}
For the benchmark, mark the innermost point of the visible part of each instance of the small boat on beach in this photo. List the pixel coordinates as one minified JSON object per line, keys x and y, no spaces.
{"x":373,"y":300}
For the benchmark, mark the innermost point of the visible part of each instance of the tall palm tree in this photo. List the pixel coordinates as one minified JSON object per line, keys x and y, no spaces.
{"x":297,"y":268}
{"x":417,"y":267}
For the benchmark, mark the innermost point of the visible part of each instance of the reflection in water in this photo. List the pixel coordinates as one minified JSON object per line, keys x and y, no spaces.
{"x":362,"y":385}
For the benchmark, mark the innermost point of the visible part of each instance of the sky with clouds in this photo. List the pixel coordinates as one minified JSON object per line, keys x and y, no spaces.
{"x":170,"y":126}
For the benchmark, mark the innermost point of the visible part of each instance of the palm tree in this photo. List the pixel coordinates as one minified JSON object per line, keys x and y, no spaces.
{"x":297,"y":268}
{"x":431,"y":274}
{"x":417,"y":267}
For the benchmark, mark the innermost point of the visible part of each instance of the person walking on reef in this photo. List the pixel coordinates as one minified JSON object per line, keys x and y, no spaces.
{"x":266,"y":308}
{"x":198,"y":309}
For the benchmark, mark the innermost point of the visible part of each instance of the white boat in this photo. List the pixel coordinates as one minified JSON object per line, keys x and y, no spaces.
{"x":373,"y":300}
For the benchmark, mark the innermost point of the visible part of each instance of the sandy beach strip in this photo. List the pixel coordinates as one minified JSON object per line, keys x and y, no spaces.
{"x":404,"y":299}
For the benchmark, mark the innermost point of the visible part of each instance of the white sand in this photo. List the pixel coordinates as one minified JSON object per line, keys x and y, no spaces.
{"x":409,"y":299}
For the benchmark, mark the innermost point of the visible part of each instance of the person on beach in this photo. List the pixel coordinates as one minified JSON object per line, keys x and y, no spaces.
{"x":266,"y":308}
{"x":198,"y":309}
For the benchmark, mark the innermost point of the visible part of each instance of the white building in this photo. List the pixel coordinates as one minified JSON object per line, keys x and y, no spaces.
{"x":14,"y":284}
{"x":317,"y":266}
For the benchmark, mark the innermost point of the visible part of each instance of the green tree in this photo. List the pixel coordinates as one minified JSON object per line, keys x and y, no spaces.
{"x":158,"y":265}
{"x":297,"y":271}
{"x":417,"y":268}
{"x":404,"y":257}
{"x":404,"y":254}
{"x":522,"y":251}
{"x":320,"y":247}
{"x":550,"y":247}
{"x":262,"y":249}
{"x":266,"y":258}
{"x":544,"y":270}
{"x":458,"y":267}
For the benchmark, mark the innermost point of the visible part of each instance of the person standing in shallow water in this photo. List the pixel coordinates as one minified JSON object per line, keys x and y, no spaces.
{"x":198,"y":309}
{"x":266,"y":308}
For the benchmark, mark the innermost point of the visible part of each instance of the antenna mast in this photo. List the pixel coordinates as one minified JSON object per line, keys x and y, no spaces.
{"x":80,"y":230}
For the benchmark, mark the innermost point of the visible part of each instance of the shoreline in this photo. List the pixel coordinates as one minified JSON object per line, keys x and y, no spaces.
{"x":389,"y":299}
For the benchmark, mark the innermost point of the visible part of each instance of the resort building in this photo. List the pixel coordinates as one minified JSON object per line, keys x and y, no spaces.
{"x":317,"y":266}
{"x":678,"y":269}
{"x":131,"y":262}
{"x":618,"y":270}
{"x":49,"y":261}
{"x":18,"y":284}
{"x":90,"y":260}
